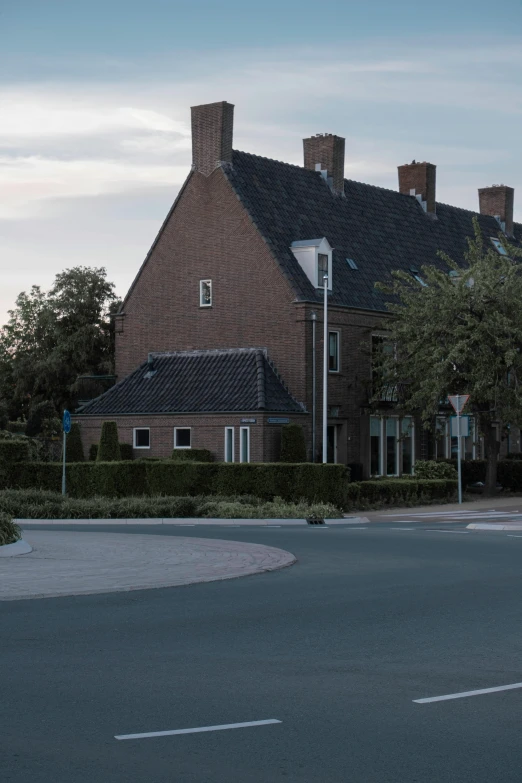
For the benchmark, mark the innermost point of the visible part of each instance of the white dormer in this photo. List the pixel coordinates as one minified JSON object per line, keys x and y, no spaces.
{"x":315,"y":258}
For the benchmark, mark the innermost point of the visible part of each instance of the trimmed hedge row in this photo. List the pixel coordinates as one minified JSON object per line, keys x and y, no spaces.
{"x":15,"y":450}
{"x":394,"y":492}
{"x":315,"y":483}
{"x":192,"y":455}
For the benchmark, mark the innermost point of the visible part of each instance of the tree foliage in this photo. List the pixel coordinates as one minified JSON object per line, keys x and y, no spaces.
{"x":74,"y":448}
{"x":52,"y":338}
{"x":109,"y":448}
{"x":460,"y":333}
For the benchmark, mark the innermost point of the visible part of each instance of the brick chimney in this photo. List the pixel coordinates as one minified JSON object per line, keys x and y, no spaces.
{"x":212,"y":129}
{"x":419,"y":179}
{"x":498,"y":202}
{"x":325,"y":153}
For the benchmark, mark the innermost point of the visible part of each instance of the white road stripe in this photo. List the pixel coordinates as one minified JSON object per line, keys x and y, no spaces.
{"x":357,"y":528}
{"x":403,"y":528}
{"x":458,"y":532}
{"x":512,"y":536}
{"x":469,"y":693}
{"x":195,"y":731}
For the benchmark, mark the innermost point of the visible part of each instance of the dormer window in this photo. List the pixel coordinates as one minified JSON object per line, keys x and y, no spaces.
{"x":315,"y":259}
{"x":322,"y":268}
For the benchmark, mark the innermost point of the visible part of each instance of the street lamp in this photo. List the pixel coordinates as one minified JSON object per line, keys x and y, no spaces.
{"x":325,"y":372}
{"x":313,"y":316}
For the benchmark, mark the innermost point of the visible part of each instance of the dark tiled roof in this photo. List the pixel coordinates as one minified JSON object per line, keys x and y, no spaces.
{"x":381,"y":230}
{"x":234,"y":380}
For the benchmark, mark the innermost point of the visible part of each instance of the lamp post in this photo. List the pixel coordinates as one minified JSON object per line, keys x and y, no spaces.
{"x":325,"y":372}
{"x":313,"y":316}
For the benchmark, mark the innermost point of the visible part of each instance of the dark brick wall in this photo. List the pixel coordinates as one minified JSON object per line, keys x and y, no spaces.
{"x":498,"y":200}
{"x":420,"y":177}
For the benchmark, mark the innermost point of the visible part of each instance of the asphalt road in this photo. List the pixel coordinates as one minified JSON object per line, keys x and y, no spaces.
{"x":337,"y":648}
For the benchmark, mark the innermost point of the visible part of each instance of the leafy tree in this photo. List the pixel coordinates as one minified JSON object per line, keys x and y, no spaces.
{"x":293,"y":445}
{"x":39,"y":415}
{"x":52,"y":338}
{"x":74,"y":449}
{"x":109,"y":448}
{"x":460,"y":333}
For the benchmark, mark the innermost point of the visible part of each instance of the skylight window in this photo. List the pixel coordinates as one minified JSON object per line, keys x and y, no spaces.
{"x":351,"y":263}
{"x":499,"y":246}
{"x":416,"y":274}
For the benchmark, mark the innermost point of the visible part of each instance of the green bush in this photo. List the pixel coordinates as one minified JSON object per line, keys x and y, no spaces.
{"x":93,"y":452}
{"x":193,"y":455}
{"x":17,"y":427}
{"x":4,"y":415}
{"x":126,"y":451}
{"x":9,"y":530}
{"x":509,"y":474}
{"x":303,"y":481}
{"x":15,"y":450}
{"x":74,"y":448}
{"x":109,"y":448}
{"x":430,"y":469}
{"x":397,"y":492}
{"x":472,"y":470}
{"x":293,"y":444}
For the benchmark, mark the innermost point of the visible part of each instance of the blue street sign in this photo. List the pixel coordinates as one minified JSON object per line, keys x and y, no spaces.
{"x":66,"y":423}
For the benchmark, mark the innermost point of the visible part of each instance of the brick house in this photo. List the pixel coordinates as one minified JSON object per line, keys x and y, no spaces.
{"x":238,"y":264}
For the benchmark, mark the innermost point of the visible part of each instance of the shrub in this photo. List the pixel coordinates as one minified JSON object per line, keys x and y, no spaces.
{"x":194,"y":455}
{"x":509,"y":474}
{"x":4,"y":415}
{"x":17,"y":427}
{"x":74,"y":449}
{"x":396,"y":492}
{"x":15,"y":450}
{"x":293,"y":445}
{"x":514,"y":455}
{"x":109,"y":448}
{"x":430,"y":469}
{"x":9,"y":530}
{"x":93,"y":452}
{"x":126,"y":451}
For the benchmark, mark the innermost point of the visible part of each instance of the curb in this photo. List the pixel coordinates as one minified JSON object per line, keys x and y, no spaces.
{"x":192,"y":522}
{"x":18,"y":548}
{"x":492,"y":526}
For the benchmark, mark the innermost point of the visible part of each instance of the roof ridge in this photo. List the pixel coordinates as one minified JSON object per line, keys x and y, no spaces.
{"x":201,"y":351}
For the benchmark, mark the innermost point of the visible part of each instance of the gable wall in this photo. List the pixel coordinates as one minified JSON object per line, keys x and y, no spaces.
{"x":209,"y":235}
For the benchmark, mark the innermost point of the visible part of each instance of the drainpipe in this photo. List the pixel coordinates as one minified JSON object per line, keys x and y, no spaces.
{"x":313,"y":316}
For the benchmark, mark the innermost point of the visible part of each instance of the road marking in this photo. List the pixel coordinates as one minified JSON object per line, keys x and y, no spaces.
{"x":458,"y":532}
{"x":357,"y":528}
{"x":195,"y":731}
{"x":469,"y":693}
{"x":403,"y":528}
{"x":512,"y":536}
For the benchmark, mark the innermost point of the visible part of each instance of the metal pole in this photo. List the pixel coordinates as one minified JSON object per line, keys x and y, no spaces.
{"x":459,"y":467}
{"x":314,"y":392}
{"x":63,"y":467}
{"x":325,"y":372}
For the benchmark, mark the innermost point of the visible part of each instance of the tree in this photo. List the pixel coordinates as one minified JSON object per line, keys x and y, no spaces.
{"x":293,"y":445}
{"x":74,"y":448}
{"x":109,"y":448}
{"x":460,"y":333}
{"x":52,"y":338}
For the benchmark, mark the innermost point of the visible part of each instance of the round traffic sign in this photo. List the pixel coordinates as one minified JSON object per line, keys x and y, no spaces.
{"x":66,"y":423}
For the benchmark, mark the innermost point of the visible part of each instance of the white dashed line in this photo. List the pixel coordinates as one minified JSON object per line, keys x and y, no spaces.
{"x":464,"y":694}
{"x":195,"y":731}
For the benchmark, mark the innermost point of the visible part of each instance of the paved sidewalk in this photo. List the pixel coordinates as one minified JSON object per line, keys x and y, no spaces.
{"x":66,"y":563}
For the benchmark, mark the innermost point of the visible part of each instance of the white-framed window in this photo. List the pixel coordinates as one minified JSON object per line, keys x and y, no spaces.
{"x":322,"y":268}
{"x":392,"y":445}
{"x":244,"y":444}
{"x":229,"y":444}
{"x":182,"y":437}
{"x":141,"y":438}
{"x":205,"y":293}
{"x":334,"y":351}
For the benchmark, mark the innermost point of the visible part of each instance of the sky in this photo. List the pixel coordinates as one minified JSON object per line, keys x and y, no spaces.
{"x":95,"y":108}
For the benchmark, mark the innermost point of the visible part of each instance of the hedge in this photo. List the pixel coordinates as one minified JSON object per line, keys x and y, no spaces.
{"x":109,"y":446}
{"x":15,"y":450}
{"x":9,"y":530}
{"x":293,"y":444}
{"x":304,"y":481}
{"x":394,"y":492}
{"x":192,"y":455}
{"x":126,"y":451}
{"x":74,"y":447}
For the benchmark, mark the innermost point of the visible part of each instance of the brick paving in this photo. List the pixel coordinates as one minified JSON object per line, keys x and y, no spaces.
{"x":66,"y":563}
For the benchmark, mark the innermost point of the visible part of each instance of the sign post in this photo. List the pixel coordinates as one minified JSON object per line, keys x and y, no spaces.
{"x":458,"y":402}
{"x":66,"y":426}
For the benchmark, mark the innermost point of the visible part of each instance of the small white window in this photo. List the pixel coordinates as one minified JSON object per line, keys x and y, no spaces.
{"x":499,"y":246}
{"x":141,"y":438}
{"x":244,"y":444}
{"x":182,"y":438}
{"x":205,"y":293}
{"x":229,"y":444}
{"x":333,"y":352}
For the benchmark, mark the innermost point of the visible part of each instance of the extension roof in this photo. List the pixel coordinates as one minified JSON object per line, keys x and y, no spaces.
{"x":217,"y":381}
{"x":381,"y":230}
